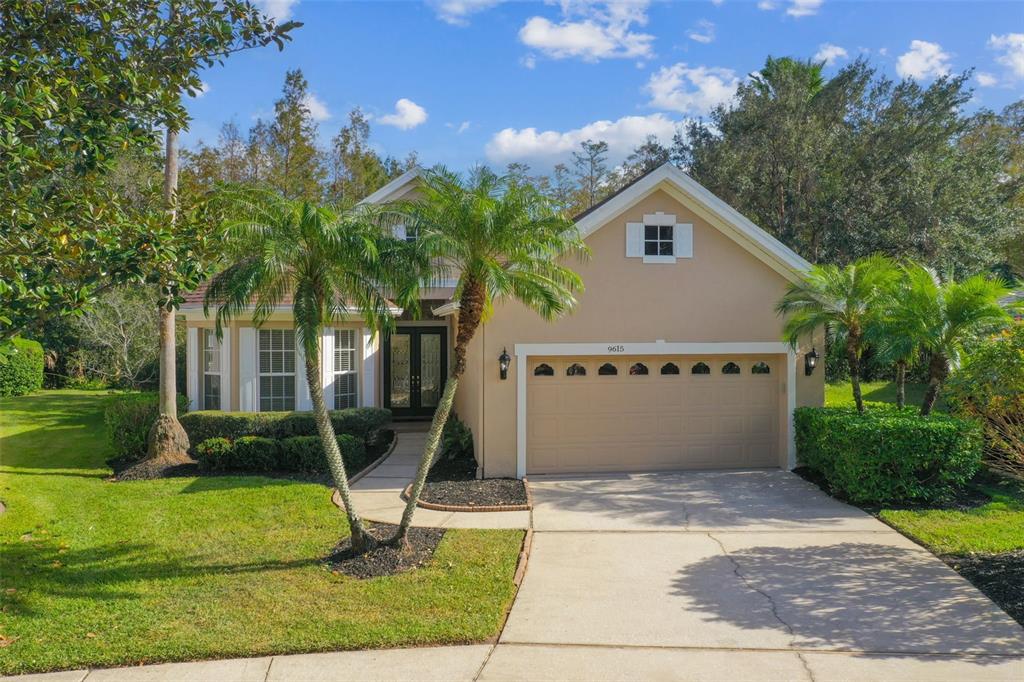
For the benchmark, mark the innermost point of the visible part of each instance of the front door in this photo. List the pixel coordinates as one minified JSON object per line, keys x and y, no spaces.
{"x":415,"y":369}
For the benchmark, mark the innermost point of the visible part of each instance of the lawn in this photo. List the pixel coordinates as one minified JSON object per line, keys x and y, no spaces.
{"x":96,"y":573}
{"x":841,"y":395}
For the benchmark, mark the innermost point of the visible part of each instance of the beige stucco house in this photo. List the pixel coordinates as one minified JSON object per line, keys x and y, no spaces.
{"x":671,"y":360}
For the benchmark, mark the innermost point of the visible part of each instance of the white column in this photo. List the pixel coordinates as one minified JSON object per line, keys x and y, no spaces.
{"x":248,"y":379}
{"x":225,"y":371}
{"x":520,"y":361}
{"x":302,"y":399}
{"x":192,"y":363}
{"x":790,"y":408}
{"x":327,"y":366}
{"x":370,"y":354}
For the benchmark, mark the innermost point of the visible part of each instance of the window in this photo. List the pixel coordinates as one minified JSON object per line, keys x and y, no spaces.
{"x":607,"y":370}
{"x":277,"y":370}
{"x":412,"y":233}
{"x":730,"y":368}
{"x":658,"y":240}
{"x":543,"y":370}
{"x":761,"y":368}
{"x":346,"y":376}
{"x":639,"y":369}
{"x":576,"y":370}
{"x":700,"y":368}
{"x":670,"y":368}
{"x":211,"y":371}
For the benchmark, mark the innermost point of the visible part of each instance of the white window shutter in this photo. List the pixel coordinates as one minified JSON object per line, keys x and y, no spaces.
{"x":327,"y":366}
{"x":400,"y":232}
{"x":225,"y":371}
{"x":369,"y":366}
{"x":302,"y":399}
{"x":248,"y":381}
{"x":683,"y":236}
{"x":192,"y":364}
{"x":634,"y":240}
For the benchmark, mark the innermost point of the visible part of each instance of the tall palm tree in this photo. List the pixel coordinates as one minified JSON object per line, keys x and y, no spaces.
{"x":944,"y":317}
{"x":331,"y":264}
{"x":844,"y":300}
{"x":504,"y":240}
{"x":897,"y":338}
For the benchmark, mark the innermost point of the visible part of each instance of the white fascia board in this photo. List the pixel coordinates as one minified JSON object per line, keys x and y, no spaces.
{"x":195,"y":313}
{"x":656,"y":348}
{"x":394,"y":187}
{"x":446,"y":309}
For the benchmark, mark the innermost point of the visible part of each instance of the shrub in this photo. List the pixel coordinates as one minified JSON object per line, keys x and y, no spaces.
{"x":989,"y":388}
{"x":214,"y":454}
{"x":254,"y":453}
{"x":129,"y":417}
{"x":21,"y":372}
{"x":360,"y":422}
{"x":456,"y":440}
{"x":888,"y":455}
{"x":305,"y":454}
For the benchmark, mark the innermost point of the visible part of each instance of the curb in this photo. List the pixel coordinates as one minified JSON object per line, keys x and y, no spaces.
{"x":336,"y":496}
{"x":435,"y":506}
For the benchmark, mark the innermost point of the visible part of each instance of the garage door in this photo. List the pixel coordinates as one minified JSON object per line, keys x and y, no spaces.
{"x":653,"y":412}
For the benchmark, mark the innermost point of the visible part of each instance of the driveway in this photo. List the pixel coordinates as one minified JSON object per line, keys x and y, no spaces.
{"x":739,"y":574}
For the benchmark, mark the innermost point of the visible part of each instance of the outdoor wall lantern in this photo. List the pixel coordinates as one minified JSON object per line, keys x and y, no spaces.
{"x":503,"y":362}
{"x":810,"y":361}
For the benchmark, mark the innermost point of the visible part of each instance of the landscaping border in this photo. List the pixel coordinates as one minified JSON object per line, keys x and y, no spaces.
{"x":336,"y":496}
{"x":480,"y":508}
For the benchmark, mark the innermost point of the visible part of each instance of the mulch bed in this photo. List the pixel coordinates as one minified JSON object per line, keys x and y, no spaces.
{"x":385,"y":560}
{"x":999,"y":576}
{"x":487,"y":492}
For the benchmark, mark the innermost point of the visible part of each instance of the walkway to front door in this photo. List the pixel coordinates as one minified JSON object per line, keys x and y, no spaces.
{"x":415,"y":368}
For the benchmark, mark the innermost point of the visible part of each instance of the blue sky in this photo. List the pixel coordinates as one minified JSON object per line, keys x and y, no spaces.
{"x":485,"y":81}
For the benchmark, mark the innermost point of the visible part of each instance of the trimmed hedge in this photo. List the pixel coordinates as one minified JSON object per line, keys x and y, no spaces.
{"x":360,"y":422}
{"x":257,"y":454}
{"x":129,"y":417}
{"x":21,"y":372}
{"x":888,"y":455}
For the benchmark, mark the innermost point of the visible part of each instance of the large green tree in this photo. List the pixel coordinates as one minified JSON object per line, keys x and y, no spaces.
{"x":298,"y":170}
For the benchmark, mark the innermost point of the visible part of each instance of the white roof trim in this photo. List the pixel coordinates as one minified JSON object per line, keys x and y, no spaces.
{"x":394,"y":187}
{"x":449,"y":308}
{"x":740,"y":229}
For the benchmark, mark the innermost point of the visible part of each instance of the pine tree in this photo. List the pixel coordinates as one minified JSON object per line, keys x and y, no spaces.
{"x":297,"y":170}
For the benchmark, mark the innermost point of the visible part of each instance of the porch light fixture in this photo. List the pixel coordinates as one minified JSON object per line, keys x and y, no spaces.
{"x":503,"y":362}
{"x":810,"y":361}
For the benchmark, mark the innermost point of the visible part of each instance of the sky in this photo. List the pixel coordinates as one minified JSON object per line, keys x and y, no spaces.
{"x":465,"y":82}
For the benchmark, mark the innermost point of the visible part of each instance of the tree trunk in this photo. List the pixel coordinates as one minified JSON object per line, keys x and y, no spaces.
{"x":361,"y":540}
{"x":938,"y":370}
{"x":167,"y":444}
{"x":471,"y":306}
{"x":853,"y":360}
{"x":901,"y":384}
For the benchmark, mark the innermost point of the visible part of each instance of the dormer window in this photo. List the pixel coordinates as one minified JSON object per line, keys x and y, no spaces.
{"x":659,"y":239}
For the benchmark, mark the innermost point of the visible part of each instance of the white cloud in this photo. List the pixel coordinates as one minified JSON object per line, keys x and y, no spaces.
{"x":704,"y":32}
{"x":317,"y":108}
{"x":458,"y":128}
{"x":767,"y":5}
{"x":457,"y":12}
{"x":829,"y":53}
{"x":591,"y":31}
{"x":529,"y":61}
{"x":986,"y":80}
{"x":279,"y":10}
{"x":204,"y":88}
{"x":694,"y":90}
{"x":716,"y":3}
{"x":1012,"y":47}
{"x":923,"y":60}
{"x":803,"y":8}
{"x":551,"y":146}
{"x":884,"y":51}
{"x":407,"y":115}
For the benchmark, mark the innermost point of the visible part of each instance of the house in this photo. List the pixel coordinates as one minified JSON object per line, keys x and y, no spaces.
{"x":671,"y":360}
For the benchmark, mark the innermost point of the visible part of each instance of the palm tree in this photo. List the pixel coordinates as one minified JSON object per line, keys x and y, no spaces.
{"x":897,"y":338}
{"x":504,"y":240}
{"x":844,"y":300}
{"x":942,"y":318}
{"x":331,"y":264}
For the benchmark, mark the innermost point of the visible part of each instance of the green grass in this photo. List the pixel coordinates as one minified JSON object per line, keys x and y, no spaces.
{"x":96,"y":573}
{"x":993,"y":527}
{"x":841,"y":395}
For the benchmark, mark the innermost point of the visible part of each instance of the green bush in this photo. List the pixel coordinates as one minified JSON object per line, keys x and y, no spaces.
{"x":214,"y":454}
{"x":360,"y":422}
{"x":129,"y":417}
{"x":305,"y":454}
{"x":21,"y":372}
{"x":254,"y":453}
{"x":456,"y":440}
{"x":886,"y":454}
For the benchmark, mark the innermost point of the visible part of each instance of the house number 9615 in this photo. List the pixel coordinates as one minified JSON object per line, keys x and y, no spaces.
{"x":617,"y":349}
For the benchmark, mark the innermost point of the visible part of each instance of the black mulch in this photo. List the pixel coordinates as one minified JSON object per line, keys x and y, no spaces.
{"x":496,"y":492}
{"x":462,"y":469}
{"x":384,"y":560}
{"x":999,"y":576}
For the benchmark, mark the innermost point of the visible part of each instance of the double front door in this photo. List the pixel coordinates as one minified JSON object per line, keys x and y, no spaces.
{"x":415,"y":369}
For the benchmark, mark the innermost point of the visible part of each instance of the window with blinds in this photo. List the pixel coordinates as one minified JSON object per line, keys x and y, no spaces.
{"x":346,"y":374}
{"x":277,"y":370}
{"x":211,"y":370}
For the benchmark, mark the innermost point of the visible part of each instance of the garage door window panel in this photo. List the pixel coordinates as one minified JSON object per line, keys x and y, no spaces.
{"x":669,"y":369}
{"x":607,"y":370}
{"x":638,"y":369}
{"x":576,"y":370}
{"x":700,"y":368}
{"x":543,"y":370}
{"x":730,"y":368}
{"x":761,"y":368}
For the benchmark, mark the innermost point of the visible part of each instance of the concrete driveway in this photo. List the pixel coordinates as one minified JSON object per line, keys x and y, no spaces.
{"x":740,"y":575}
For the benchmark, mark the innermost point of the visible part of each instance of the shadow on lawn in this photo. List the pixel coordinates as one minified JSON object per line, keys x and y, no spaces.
{"x":851,"y":596}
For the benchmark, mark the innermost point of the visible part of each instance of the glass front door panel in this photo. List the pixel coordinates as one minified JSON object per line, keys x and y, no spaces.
{"x":430,"y":380}
{"x":401,"y":370}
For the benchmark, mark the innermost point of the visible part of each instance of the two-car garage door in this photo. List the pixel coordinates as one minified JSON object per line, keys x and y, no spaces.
{"x":653,"y":412}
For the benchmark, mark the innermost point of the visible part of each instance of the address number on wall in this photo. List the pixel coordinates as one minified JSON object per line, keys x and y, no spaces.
{"x":617,"y":349}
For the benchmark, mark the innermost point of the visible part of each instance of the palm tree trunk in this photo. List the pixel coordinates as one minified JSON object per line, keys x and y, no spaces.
{"x":471,"y":306}
{"x":853,"y":360}
{"x":901,"y":384}
{"x":938,"y":370}
{"x":361,"y":540}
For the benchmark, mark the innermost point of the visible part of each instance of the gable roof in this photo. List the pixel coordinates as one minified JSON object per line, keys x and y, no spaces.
{"x":395,"y":187}
{"x":698,"y":198}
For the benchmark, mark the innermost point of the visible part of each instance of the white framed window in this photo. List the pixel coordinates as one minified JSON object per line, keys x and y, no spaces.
{"x":276,"y":348}
{"x":659,"y":240}
{"x":346,"y":373}
{"x":211,"y":368}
